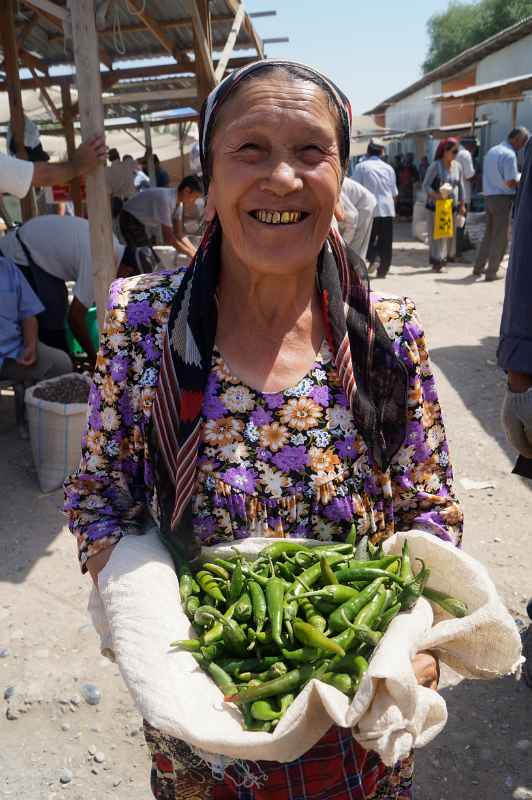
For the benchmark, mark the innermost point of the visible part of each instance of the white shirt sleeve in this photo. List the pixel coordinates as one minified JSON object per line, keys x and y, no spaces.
{"x":15,"y":176}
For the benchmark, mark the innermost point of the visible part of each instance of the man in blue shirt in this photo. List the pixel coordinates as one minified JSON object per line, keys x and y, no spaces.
{"x":515,"y":345}
{"x":500,"y":179}
{"x":23,"y":359}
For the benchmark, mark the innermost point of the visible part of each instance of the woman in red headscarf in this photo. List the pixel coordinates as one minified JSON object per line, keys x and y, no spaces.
{"x":444,"y":171}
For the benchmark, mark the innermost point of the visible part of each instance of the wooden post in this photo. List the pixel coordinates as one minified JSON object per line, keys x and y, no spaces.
{"x":68,"y":125}
{"x":514,"y":114}
{"x":201,"y":23}
{"x":87,"y":60}
{"x":16,"y":111}
{"x":150,"y":161}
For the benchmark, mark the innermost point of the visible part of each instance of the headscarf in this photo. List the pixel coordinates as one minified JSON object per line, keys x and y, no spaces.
{"x":444,"y":145}
{"x":374,"y":379}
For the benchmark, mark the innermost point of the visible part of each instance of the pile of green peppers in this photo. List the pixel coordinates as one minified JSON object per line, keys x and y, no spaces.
{"x":266,"y":627}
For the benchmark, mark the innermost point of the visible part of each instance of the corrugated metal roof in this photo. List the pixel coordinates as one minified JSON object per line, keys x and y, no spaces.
{"x":460,"y":62}
{"x":482,"y":88}
{"x":45,"y":39}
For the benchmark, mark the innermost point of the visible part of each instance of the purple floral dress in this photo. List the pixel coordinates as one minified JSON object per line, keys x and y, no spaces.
{"x":283,"y":464}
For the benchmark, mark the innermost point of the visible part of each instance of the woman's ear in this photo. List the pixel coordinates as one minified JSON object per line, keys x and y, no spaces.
{"x":210,"y":206}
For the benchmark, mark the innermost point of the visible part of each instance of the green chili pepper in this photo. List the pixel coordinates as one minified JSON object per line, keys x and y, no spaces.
{"x":213,"y":652}
{"x":187,"y":584}
{"x":275,"y":671}
{"x":365,"y":573}
{"x":209,"y":585}
{"x":387,"y":616}
{"x":258,"y":604}
{"x":337,"y":594}
{"x":406,"y":573}
{"x":338,"y":547}
{"x":213,"y":635}
{"x":352,"y":535}
{"x":341,"y":681}
{"x":235,"y":667}
{"x":243,"y":608}
{"x":450,"y":604}
{"x":285,"y":571}
{"x":230,"y":566}
{"x":278,"y":549}
{"x":222,"y":679}
{"x":191,"y":606}
{"x":303,"y":655}
{"x":413,"y":590}
{"x":282,"y":685}
{"x":371,"y":612}
{"x":309,"y":577}
{"x":327,"y":575}
{"x":285,"y":702}
{"x":237,"y":583}
{"x":234,"y":635}
{"x":381,"y":563}
{"x":344,"y":614}
{"x":323,"y":606}
{"x":217,"y":570}
{"x":366,"y":635}
{"x":191,"y":645}
{"x":274,"y":602}
{"x":311,"y":615}
{"x":349,"y":663}
{"x":361,"y":550}
{"x":346,"y":639}
{"x":312,"y":637}
{"x":263,"y":710}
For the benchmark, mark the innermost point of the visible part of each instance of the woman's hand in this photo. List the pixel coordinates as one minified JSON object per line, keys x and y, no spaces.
{"x":427,"y":669}
{"x":96,"y":563}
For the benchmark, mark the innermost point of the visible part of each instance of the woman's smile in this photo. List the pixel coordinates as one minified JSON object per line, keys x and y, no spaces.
{"x":274,"y":217}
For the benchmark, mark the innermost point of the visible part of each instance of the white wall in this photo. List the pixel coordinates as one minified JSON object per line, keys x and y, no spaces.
{"x":415,"y":112}
{"x":516,"y":59}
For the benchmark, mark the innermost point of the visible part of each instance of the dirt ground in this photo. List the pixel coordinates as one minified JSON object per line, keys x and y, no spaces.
{"x":485,"y":752}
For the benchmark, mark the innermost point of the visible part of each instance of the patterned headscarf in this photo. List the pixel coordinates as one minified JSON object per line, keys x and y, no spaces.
{"x":374,"y":379}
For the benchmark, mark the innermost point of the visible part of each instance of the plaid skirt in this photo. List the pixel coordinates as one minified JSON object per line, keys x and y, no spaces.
{"x":336,"y":768}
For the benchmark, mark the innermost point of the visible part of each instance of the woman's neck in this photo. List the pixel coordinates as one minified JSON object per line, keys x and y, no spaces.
{"x":447,"y":163}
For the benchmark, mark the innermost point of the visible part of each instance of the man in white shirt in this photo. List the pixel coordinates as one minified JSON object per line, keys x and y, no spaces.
{"x":17,"y":176}
{"x":160,"y":206}
{"x":358,"y":206}
{"x":379,"y":178}
{"x":120,"y":178}
{"x":49,"y":251}
{"x":468,"y":146}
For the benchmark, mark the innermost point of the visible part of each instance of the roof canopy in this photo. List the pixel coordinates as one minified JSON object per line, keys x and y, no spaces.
{"x":506,"y":89}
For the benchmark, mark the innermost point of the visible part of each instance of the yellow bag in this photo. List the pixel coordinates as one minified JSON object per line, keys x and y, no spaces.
{"x":443,"y":219}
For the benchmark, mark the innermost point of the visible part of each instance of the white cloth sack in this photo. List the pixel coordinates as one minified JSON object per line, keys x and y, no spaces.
{"x":138,"y":613}
{"x":55,"y":434}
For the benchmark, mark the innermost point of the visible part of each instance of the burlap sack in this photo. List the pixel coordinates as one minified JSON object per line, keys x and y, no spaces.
{"x":138,"y":614}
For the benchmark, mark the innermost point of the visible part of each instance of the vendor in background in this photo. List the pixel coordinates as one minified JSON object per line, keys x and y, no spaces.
{"x":355,"y":215}
{"x":23,"y":358}
{"x":162,"y":178}
{"x":444,"y":170}
{"x":153,"y":207}
{"x":407,"y":177}
{"x":120,"y":179}
{"x":141,"y":180}
{"x":17,"y":175}
{"x":467,"y":149}
{"x":515,"y":347}
{"x":49,"y":251}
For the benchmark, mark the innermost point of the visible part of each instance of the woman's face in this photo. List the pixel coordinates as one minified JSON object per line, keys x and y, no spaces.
{"x":276,"y":174}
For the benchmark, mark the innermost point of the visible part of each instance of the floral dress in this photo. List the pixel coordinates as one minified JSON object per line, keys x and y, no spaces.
{"x":288,"y":463}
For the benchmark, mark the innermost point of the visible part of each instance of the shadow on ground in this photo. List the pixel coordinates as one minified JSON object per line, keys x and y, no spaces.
{"x":23,"y":545}
{"x":482,"y":753}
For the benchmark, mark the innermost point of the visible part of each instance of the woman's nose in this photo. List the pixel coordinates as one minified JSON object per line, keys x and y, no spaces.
{"x":282,"y":179}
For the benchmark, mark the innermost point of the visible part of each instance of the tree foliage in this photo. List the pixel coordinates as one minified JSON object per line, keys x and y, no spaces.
{"x":464,"y":25}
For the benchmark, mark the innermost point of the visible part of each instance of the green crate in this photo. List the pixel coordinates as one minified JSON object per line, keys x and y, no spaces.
{"x":74,"y":346}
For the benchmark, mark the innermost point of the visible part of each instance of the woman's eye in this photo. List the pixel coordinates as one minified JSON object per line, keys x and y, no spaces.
{"x":249,"y":146}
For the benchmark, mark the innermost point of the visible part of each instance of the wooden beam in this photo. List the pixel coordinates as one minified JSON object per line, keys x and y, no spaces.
{"x":47,"y":97}
{"x":230,"y":44}
{"x":32,"y":62}
{"x":124,"y":98}
{"x":172,"y":24}
{"x":70,"y":136}
{"x":149,"y":150}
{"x":16,"y":110}
{"x":249,"y":28}
{"x":129,"y":73}
{"x":85,"y":41}
{"x":121,"y":126}
{"x":59,"y":12}
{"x":24,"y":31}
{"x":202,"y":47}
{"x":161,"y":35}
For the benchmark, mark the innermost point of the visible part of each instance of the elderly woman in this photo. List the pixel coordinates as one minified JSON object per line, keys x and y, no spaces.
{"x":264,"y":391}
{"x":444,"y":170}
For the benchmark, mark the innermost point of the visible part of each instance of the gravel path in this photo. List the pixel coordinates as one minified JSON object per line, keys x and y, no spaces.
{"x":57,"y":745}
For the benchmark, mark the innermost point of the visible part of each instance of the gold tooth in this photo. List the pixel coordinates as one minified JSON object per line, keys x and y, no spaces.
{"x":285,"y":217}
{"x":293,"y":216}
{"x":276,"y":217}
{"x":269,"y":216}
{"x":261,"y":216}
